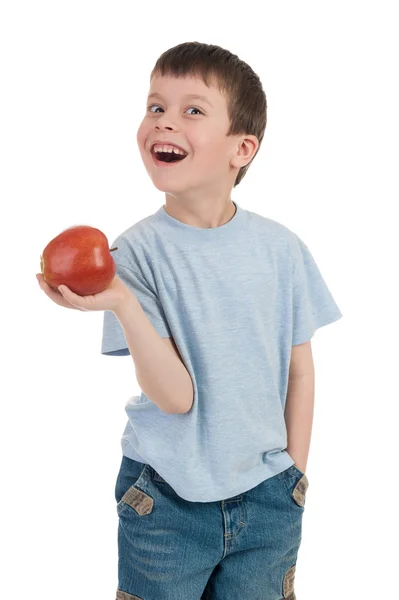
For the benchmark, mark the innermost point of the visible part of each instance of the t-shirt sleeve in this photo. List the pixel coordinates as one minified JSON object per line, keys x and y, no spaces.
{"x":313,"y":304}
{"x":113,"y":338}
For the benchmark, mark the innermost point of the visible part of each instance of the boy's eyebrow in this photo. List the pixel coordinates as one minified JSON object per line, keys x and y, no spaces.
{"x":203,"y":98}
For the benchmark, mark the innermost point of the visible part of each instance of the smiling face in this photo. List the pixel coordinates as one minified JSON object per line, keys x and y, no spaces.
{"x":199,"y":126}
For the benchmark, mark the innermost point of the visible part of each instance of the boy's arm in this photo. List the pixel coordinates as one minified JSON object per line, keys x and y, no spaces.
{"x":160,"y":372}
{"x":300,"y":404}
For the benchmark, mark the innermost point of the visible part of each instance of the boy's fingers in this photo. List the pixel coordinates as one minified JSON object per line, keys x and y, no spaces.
{"x":56,"y":295}
{"x":67,"y":293}
{"x":44,"y":285}
{"x":42,"y":282}
{"x":73,"y":298}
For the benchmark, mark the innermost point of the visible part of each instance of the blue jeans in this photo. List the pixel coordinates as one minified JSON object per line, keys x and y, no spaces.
{"x":242,"y":547}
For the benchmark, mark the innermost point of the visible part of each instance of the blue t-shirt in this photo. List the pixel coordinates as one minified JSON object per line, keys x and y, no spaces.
{"x":235,"y":298}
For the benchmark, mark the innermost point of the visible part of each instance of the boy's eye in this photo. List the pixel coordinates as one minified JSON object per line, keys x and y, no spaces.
{"x":157,"y":105}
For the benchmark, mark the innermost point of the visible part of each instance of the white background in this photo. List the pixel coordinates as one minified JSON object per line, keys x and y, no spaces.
{"x":74,"y":79}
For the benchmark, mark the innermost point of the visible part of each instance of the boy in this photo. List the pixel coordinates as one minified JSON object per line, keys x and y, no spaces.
{"x":217,"y":306}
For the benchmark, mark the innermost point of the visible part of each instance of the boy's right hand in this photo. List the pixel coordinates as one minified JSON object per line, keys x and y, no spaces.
{"x":112,"y":298}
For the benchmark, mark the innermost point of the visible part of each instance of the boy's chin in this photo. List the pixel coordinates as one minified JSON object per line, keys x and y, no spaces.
{"x":168,"y":188}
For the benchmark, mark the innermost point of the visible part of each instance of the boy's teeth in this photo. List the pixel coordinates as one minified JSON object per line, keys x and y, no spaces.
{"x":168,"y":149}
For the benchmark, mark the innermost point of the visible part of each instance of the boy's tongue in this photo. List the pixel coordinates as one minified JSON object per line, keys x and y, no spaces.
{"x":170,"y":156}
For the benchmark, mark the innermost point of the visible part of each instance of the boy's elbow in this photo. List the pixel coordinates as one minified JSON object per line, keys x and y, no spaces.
{"x":179,"y":410}
{"x":188,"y":404}
{"x":185,"y":405}
{"x":188,"y":407}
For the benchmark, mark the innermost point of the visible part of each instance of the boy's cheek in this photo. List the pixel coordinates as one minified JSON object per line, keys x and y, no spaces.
{"x":141,"y":135}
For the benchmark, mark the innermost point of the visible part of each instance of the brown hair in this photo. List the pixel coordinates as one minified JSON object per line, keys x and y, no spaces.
{"x":246,"y":99}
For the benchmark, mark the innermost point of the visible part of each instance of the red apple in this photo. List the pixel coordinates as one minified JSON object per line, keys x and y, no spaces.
{"x":80,"y":258}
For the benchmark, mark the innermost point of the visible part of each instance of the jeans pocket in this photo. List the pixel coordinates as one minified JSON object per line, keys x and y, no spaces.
{"x":129,"y":473}
{"x":297,"y":485}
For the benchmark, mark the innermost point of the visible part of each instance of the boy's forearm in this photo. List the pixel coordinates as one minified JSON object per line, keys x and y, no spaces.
{"x":299,"y":418}
{"x":161,"y":375}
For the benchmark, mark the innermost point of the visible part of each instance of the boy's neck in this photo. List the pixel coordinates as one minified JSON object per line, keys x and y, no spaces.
{"x":205,"y":216}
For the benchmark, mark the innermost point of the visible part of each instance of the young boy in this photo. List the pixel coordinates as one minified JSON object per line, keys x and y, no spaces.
{"x":217,"y":306}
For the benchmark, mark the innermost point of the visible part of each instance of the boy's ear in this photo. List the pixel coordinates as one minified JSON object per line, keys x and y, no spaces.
{"x":246,"y":150}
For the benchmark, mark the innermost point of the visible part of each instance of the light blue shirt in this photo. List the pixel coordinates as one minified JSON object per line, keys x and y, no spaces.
{"x":235,"y":298}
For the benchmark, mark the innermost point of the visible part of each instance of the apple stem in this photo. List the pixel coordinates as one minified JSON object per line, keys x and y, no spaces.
{"x":113,"y":249}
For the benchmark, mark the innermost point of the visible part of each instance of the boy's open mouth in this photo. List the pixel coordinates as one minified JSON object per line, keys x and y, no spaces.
{"x":167,"y":157}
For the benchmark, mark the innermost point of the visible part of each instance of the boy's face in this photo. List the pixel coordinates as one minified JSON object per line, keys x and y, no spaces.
{"x":197,"y":126}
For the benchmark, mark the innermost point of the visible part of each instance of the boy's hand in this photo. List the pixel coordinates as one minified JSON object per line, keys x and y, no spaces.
{"x":111,"y":298}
